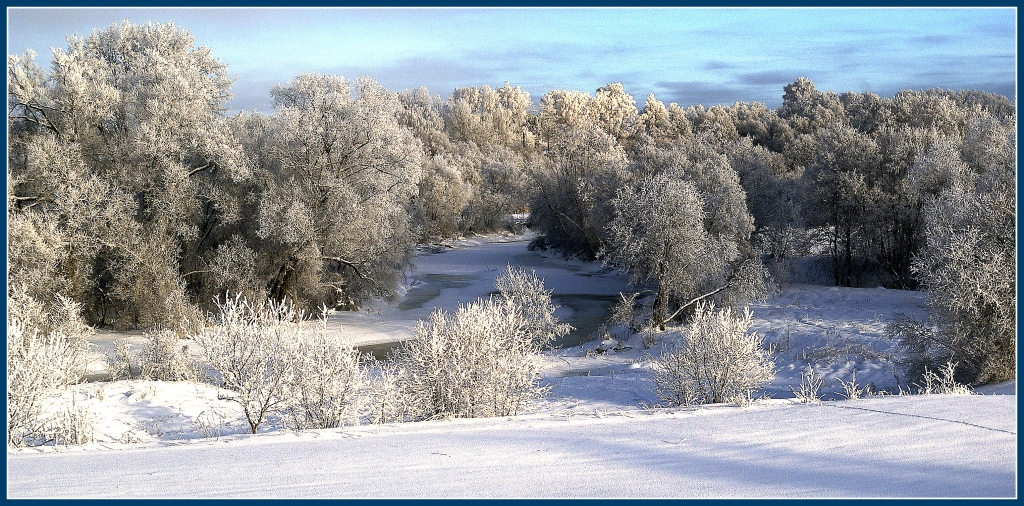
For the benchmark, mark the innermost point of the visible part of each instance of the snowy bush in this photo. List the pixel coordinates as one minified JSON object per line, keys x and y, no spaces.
{"x":123,"y":364}
{"x":44,"y":353}
{"x":942,"y":382}
{"x":526,"y":291}
{"x":720,"y":360}
{"x":250,"y":345}
{"x":809,"y":390}
{"x":75,"y":425}
{"x":166,"y":358}
{"x":325,"y":381}
{"x":271,"y":361}
{"x":386,"y":398}
{"x":481,"y":360}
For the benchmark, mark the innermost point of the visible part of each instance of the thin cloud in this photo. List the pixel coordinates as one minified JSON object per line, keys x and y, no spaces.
{"x":771,"y":77}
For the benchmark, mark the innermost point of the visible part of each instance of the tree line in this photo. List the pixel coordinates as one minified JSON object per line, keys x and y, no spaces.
{"x":132,"y":192}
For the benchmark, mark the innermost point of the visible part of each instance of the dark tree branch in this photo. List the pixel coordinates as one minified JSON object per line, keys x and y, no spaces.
{"x":698,"y":299}
{"x":201,"y":169}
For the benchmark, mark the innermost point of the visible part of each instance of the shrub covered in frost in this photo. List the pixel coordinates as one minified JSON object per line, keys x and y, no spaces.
{"x":481,"y":360}
{"x":45,"y":351}
{"x":249,"y":346}
{"x":719,"y":360}
{"x":324,"y":387}
{"x":272,"y":361}
{"x":165,"y":357}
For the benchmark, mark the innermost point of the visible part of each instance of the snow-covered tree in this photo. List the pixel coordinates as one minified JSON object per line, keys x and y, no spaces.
{"x":571,"y":205}
{"x":772,"y":199}
{"x":968,"y":269}
{"x":613,"y":110}
{"x":658,"y":235}
{"x":128,"y":118}
{"x":807,"y":109}
{"x":488,"y":116}
{"x":841,"y":197}
{"x":332,"y":216}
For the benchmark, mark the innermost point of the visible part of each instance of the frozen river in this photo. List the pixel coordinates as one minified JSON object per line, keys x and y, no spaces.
{"x":583,"y":291}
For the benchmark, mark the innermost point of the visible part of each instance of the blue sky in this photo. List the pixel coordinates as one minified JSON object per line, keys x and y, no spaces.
{"x":684,"y":55}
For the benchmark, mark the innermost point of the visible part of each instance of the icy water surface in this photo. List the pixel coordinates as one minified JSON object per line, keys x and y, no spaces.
{"x":584,"y":311}
{"x":584,"y":291}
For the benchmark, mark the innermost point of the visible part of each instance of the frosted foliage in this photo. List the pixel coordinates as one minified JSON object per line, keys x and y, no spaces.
{"x":334,"y":213}
{"x":386,"y":400}
{"x":478,"y":362}
{"x":968,"y":270}
{"x":560,"y":108}
{"x":526,"y":290}
{"x":325,"y":385}
{"x":502,"y":187}
{"x":249,"y":345}
{"x":121,"y":145}
{"x":808,"y":109}
{"x":990,"y":141}
{"x":487,"y":116}
{"x":697,"y":161}
{"x":937,"y":169}
{"x":611,"y":109}
{"x":46,"y":350}
{"x":719,"y":360}
{"x":614,"y":110}
{"x":572,"y":201}
{"x":444,"y":193}
{"x":658,"y":228}
{"x":234,"y":266}
{"x":714,"y":122}
{"x":481,"y":360}
{"x":658,"y":234}
{"x":165,"y":357}
{"x":771,"y":198}
{"x":421,"y":113}
{"x":655,"y":122}
{"x":273,"y":362}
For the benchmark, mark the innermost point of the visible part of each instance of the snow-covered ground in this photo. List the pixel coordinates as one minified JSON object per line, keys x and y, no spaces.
{"x":596,"y":434}
{"x":920,"y":446}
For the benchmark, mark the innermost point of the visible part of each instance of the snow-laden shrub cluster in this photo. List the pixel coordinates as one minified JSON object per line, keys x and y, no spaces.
{"x":942,"y":382}
{"x":809,"y":389}
{"x":387,"y":398}
{"x":272,"y":361}
{"x":46,"y":351}
{"x":325,"y":388}
{"x":164,"y":357}
{"x":719,"y":360}
{"x":480,"y":360}
{"x":476,"y":362}
{"x":74,"y":425}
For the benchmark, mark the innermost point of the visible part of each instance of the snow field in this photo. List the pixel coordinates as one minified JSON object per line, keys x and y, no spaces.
{"x":879,"y":447}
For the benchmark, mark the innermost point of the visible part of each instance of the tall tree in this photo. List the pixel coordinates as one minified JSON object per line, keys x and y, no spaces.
{"x":332,"y":213}
{"x":136,"y":112}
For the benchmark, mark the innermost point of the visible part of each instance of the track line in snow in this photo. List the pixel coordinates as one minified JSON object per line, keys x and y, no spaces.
{"x":922,"y":416}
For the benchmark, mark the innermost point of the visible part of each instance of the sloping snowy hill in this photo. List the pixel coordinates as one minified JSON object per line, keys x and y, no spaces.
{"x":908,"y":446}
